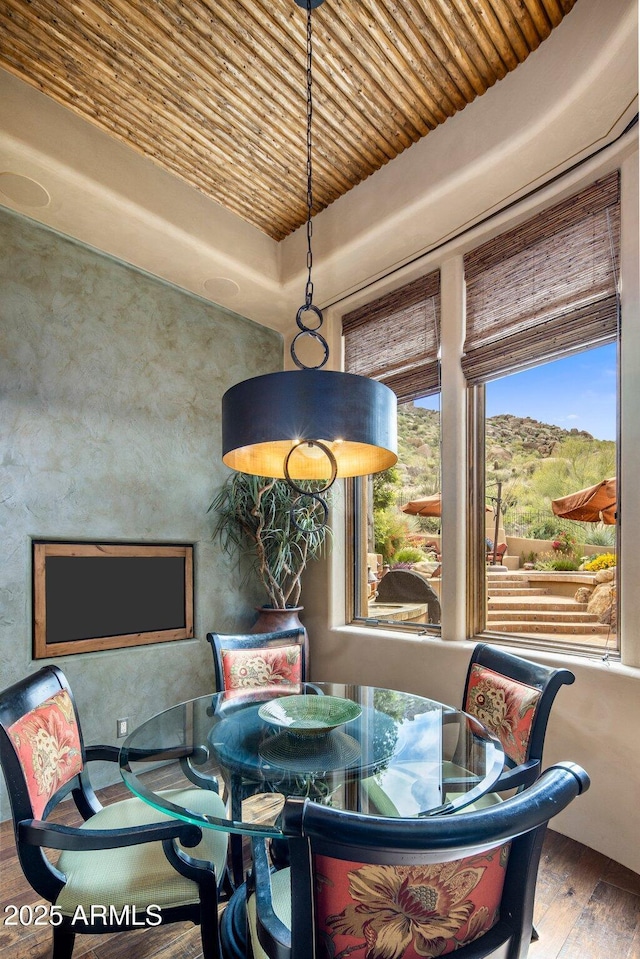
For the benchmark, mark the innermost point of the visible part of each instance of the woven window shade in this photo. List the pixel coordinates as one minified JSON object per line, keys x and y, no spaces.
{"x":546,"y":288}
{"x":396,"y":338}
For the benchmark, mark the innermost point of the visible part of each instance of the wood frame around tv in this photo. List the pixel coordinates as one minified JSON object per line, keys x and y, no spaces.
{"x":42,"y":649}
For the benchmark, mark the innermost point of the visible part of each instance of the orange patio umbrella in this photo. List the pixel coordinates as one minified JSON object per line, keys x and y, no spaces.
{"x":425,"y":506}
{"x":428,"y":506}
{"x":596,"y":504}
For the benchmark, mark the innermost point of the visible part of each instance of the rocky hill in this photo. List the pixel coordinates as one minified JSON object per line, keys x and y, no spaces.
{"x":513,"y":443}
{"x":516,"y":434}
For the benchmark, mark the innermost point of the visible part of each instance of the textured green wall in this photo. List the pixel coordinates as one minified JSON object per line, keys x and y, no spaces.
{"x":110,"y":391}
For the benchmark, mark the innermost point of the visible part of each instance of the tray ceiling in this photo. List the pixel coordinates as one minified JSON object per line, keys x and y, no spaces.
{"x":214,"y":92}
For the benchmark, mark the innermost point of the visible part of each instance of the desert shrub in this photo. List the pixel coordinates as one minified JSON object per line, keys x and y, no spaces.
{"x":556,"y":561}
{"x":385,"y":488}
{"x":563,"y":556}
{"x":390,"y":532}
{"x":546,"y":530}
{"x":409,"y":554}
{"x":603,"y":561}
{"x":565,"y":543}
{"x":566,"y":565}
{"x":601,"y":536}
{"x":421,"y":541}
{"x":429,"y":524}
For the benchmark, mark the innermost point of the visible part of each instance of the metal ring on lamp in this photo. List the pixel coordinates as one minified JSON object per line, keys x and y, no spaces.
{"x":309,"y":308}
{"x":320,"y":339}
{"x":297,"y":506}
{"x":332,"y":461}
{"x":314,"y":495}
{"x":309,"y":331}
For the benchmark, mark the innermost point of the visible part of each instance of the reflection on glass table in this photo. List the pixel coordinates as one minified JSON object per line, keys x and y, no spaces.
{"x":371,"y":750}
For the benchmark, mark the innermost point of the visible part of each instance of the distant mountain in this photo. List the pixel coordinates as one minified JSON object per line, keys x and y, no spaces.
{"x":517,"y":434}
{"x":514,"y":443}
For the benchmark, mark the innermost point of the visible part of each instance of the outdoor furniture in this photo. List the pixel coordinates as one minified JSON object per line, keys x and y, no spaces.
{"x":405,"y":586}
{"x":513,"y":698}
{"x":432,"y":547}
{"x":495,"y":558}
{"x":421,"y":887}
{"x":128,"y":861}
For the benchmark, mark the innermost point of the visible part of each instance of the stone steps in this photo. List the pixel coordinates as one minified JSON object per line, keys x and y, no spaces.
{"x":539,"y":615}
{"x":516,"y":606}
{"x":517,"y":591}
{"x":497,"y":576}
{"x":550,"y":627}
{"x":549,"y":604}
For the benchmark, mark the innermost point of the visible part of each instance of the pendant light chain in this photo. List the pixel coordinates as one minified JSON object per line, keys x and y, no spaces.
{"x":309,"y":511}
{"x":309,"y":286}
{"x":308,"y":308}
{"x":313,"y":427}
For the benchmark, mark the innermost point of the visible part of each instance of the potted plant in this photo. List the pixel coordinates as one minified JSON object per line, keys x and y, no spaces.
{"x":280,"y":530}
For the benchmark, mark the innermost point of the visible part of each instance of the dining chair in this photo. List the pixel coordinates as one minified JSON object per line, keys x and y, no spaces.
{"x":244,"y":661}
{"x":126,"y":864}
{"x":400,"y":887}
{"x":513,"y":697}
{"x":259,"y":661}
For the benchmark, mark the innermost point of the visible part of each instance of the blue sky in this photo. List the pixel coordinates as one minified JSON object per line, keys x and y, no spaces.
{"x":576,"y":392}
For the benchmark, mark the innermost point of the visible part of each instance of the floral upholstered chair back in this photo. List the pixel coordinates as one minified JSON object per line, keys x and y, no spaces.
{"x":48,"y":746}
{"x":507,"y":707}
{"x":259,"y":661}
{"x":411,"y":911}
{"x":264,"y":667}
{"x":374,"y":887}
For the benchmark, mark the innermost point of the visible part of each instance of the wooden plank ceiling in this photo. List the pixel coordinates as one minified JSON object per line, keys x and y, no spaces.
{"x":214,"y":90}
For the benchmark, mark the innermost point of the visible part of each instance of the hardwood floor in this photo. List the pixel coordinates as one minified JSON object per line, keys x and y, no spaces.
{"x":587,"y":907}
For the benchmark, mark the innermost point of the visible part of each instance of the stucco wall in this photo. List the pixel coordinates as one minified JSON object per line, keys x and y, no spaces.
{"x":519,"y":546}
{"x":111,"y":387}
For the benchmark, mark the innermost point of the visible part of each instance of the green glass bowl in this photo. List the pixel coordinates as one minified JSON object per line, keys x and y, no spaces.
{"x":309,"y":715}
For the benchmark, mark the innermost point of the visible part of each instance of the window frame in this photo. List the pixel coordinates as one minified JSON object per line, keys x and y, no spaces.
{"x":477,"y":568}
{"x":358,"y":496}
{"x":468,"y":577}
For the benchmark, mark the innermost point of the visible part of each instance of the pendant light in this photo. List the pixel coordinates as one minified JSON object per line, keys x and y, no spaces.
{"x":309,"y":423}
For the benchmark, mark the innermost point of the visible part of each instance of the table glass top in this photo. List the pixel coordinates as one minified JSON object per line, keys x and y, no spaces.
{"x":375,"y":751}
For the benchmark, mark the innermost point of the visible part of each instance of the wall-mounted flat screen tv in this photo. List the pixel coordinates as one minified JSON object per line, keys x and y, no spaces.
{"x":93,"y":596}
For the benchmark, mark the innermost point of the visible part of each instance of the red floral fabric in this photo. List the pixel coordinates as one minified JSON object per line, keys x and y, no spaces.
{"x":406,"y":912}
{"x":505,"y":706}
{"x":248,"y":668}
{"x":47,"y":742}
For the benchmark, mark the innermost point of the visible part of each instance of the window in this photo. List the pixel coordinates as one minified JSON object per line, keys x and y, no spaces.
{"x":541,"y":346}
{"x":542,"y":308}
{"x":395,"y":339}
{"x":549,"y":432}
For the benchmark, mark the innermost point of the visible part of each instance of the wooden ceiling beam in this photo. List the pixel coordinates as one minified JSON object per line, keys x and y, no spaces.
{"x":214,"y":91}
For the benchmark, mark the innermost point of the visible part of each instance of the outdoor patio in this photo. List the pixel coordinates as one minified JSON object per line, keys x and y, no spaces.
{"x":543,"y":605}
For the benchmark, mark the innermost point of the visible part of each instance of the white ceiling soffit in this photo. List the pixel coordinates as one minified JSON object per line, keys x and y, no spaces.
{"x":571,"y":96}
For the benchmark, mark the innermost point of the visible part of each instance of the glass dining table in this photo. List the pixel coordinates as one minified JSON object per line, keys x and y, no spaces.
{"x":376,"y":751}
